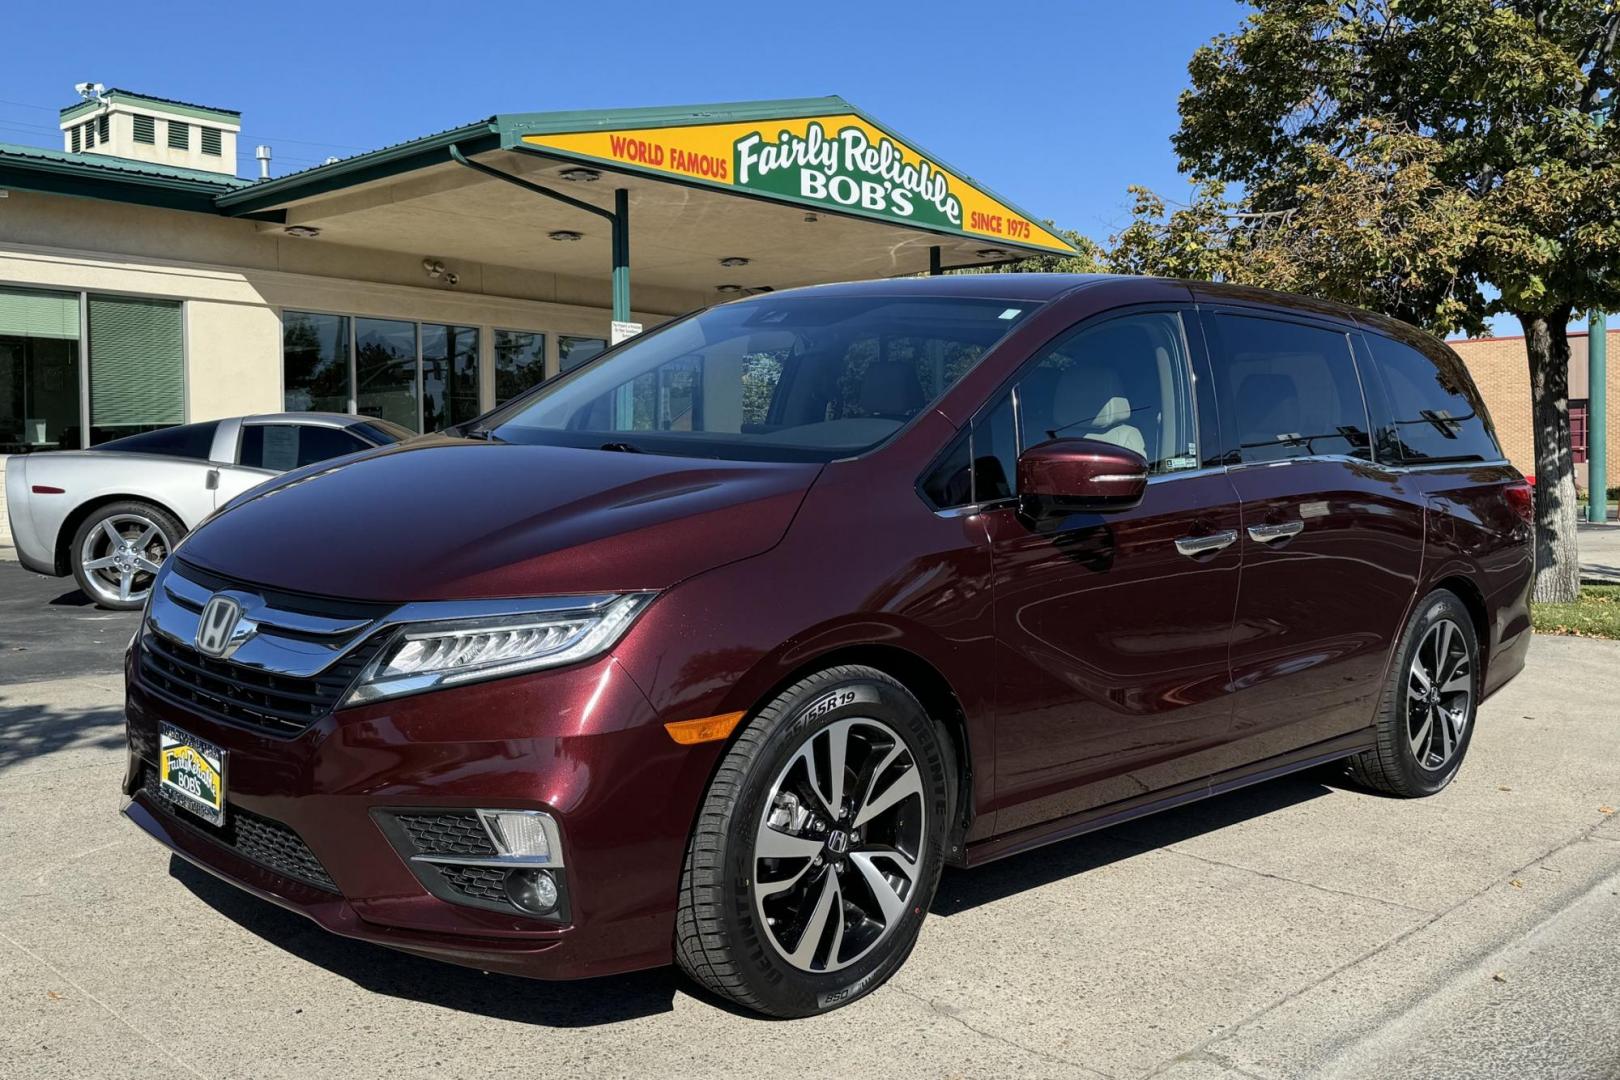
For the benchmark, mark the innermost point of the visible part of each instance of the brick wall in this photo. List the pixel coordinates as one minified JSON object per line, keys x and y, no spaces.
{"x":1502,"y":372}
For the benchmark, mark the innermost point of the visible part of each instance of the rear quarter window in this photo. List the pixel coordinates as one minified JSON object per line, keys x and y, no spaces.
{"x":193,"y":441}
{"x":280,"y":447}
{"x":1436,"y":412}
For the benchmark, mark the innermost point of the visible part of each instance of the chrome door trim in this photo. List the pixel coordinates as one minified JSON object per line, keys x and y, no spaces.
{"x":1205,"y":545}
{"x":1270,"y":534}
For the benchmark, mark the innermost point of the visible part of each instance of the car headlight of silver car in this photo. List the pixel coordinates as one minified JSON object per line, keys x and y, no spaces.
{"x":431,"y":655}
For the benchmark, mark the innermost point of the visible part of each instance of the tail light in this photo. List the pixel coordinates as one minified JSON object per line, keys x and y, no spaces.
{"x":1521,"y":495}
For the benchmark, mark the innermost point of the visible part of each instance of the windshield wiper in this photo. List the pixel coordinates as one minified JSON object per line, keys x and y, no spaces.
{"x":483,"y":433}
{"x":622,"y":448}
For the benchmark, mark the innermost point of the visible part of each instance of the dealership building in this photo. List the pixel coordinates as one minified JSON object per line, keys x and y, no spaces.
{"x":144,"y":283}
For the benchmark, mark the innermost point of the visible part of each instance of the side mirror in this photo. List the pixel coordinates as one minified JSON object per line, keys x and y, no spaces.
{"x":1069,"y":475}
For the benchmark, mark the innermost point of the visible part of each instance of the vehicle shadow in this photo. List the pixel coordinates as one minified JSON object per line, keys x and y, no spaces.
{"x":964,"y":890}
{"x":586,"y":1003}
{"x":72,"y":598}
{"x":611,"y":999}
{"x":30,"y":731}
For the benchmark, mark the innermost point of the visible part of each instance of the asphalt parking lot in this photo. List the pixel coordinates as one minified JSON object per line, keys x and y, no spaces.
{"x":1301,"y":927}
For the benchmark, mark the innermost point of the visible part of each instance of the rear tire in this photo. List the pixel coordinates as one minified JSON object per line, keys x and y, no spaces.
{"x":1426,"y":716}
{"x":836,"y":910}
{"x":117,"y":550}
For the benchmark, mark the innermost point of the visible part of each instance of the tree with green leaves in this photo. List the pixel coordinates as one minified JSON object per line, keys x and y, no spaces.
{"x":1439,"y":160}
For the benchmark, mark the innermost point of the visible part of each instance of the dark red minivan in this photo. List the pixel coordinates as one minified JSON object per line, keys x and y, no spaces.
{"x":718,"y":648}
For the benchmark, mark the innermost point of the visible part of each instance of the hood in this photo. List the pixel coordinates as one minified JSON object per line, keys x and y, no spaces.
{"x":451,"y":519}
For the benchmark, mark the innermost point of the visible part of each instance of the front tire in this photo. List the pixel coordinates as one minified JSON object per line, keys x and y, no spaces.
{"x":1426,"y":716}
{"x":818,"y":846}
{"x":117,"y":551}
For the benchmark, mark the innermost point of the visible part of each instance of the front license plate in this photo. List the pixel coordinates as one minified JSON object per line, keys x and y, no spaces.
{"x":191,"y":774}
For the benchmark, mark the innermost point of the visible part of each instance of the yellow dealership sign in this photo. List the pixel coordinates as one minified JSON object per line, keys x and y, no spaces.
{"x":837,"y":162}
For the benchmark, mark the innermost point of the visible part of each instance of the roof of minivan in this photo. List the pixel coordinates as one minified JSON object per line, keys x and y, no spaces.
{"x":1035,"y":287}
{"x":1041,"y":288}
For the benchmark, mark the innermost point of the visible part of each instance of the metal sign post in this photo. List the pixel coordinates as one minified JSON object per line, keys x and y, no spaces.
{"x":1597,"y":417}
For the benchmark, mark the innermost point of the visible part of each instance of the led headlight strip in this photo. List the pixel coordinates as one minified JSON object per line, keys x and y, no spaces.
{"x":430,"y":655}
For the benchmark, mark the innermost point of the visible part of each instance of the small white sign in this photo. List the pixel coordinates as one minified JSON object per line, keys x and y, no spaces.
{"x":623,"y":331}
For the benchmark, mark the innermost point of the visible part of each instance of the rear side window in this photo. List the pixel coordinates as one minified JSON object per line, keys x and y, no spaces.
{"x":279,"y":447}
{"x":195,"y":441}
{"x":1285,"y":390}
{"x":1435,"y":408}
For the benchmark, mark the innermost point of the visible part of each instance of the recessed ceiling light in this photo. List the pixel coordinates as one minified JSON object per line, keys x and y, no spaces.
{"x":581,"y":174}
{"x":728,"y":288}
{"x":303,"y":232}
{"x":733,"y":260}
{"x":565,"y":234}
{"x":992,"y":253}
{"x":810,"y":217}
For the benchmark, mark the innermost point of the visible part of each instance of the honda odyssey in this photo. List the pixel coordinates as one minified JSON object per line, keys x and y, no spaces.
{"x":717,"y":649}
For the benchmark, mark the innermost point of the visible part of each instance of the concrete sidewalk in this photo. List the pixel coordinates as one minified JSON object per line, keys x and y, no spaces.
{"x":1600,"y":553}
{"x":1301,"y":927}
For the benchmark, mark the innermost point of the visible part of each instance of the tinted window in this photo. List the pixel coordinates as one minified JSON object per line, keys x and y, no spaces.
{"x":950,"y":482}
{"x":1286,"y":390}
{"x":520,"y":362}
{"x":574,"y":351}
{"x":381,"y":432}
{"x":783,"y":378}
{"x":1124,"y":382}
{"x":186,"y":441}
{"x":279,"y":447}
{"x":1436,"y":409}
{"x":315,"y":361}
{"x":995,"y":454}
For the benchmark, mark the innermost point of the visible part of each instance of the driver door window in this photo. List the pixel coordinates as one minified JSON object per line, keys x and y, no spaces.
{"x":1123,"y":382}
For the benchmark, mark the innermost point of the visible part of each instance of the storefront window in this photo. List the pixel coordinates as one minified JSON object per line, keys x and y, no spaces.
{"x":39,"y":371}
{"x":315,"y":362}
{"x":574,"y":351}
{"x":520,"y":362}
{"x":449,"y":375}
{"x":137,"y":366}
{"x":385,"y":371}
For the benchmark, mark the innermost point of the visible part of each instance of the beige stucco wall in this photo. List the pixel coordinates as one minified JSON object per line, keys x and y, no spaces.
{"x":237,"y":277}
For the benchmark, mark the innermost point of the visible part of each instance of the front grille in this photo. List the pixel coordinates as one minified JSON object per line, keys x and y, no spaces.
{"x":256,"y":838}
{"x":451,"y":833}
{"x":283,"y":705}
{"x":478,"y":882}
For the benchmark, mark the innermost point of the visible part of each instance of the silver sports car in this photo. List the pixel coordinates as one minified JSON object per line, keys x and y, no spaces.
{"x":110,"y":515}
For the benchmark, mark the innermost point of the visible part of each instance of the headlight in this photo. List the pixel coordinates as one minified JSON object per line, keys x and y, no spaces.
{"x":430,"y":655}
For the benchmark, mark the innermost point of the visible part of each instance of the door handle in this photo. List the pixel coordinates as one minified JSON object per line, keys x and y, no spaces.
{"x":1270,"y":534}
{"x":1204,"y":545}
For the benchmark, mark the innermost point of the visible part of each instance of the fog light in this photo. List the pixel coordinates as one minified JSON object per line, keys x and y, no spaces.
{"x":532,"y":890}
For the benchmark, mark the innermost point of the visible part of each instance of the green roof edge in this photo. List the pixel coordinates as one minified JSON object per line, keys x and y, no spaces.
{"x":130,"y":97}
{"x":506,"y":131}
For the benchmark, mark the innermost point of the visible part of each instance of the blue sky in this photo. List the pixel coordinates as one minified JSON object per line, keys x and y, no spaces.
{"x":1056,"y":106}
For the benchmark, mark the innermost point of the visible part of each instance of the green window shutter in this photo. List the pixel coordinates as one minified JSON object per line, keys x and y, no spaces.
{"x":27,"y":313}
{"x":137,"y":362}
{"x":145,"y":129}
{"x":78,"y":143}
{"x":210,"y":141}
{"x":179,"y":135}
{"x":103,"y":127}
{"x":89,"y":133}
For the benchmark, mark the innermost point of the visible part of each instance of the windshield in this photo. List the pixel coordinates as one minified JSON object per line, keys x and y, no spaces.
{"x":798,"y":378}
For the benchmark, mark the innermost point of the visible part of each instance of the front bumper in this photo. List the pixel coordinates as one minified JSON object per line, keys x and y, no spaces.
{"x":580,"y":743}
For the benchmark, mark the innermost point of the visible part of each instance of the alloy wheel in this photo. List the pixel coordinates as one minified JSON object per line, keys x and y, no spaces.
{"x":839,"y":847}
{"x":121,"y":557}
{"x":1439,"y":695}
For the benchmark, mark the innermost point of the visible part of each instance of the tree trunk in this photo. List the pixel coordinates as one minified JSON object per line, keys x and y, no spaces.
{"x":1558,"y":568}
